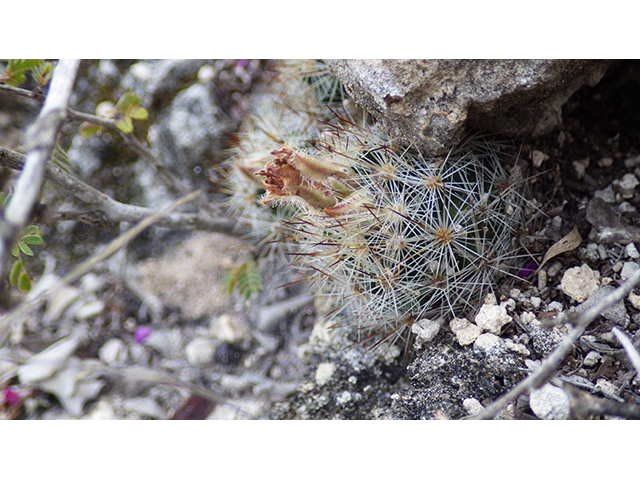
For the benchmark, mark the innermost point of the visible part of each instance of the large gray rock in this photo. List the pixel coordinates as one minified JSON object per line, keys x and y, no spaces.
{"x":429,"y":103}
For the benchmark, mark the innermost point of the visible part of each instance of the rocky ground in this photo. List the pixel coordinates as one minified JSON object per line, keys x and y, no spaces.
{"x":161,"y":338}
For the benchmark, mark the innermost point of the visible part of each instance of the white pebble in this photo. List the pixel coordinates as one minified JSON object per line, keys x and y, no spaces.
{"x":550,"y":403}
{"x":491,"y":318}
{"x":465,"y":331}
{"x":631,"y":251}
{"x":113,"y":351}
{"x":592,"y":358}
{"x":535,"y":302}
{"x":228,"y":329}
{"x":628,"y":269}
{"x":426,"y":329}
{"x":200,"y":351}
{"x":324,"y":372}
{"x":343,"y":397}
{"x":580,"y":282}
{"x":472,"y":406}
{"x":89,"y":310}
{"x":635,"y":300}
{"x":488,"y":344}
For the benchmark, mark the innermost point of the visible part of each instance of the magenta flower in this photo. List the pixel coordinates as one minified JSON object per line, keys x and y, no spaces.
{"x":10,"y":396}
{"x":142,"y":332}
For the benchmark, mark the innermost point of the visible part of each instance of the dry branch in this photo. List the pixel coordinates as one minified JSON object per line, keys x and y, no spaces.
{"x":114,"y":211}
{"x":40,"y":142}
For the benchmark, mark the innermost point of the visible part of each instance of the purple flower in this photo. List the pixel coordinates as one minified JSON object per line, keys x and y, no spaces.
{"x":10,"y":396}
{"x":142,"y":332}
{"x":529,"y":268}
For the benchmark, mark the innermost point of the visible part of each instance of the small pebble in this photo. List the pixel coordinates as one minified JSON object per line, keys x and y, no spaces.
{"x":580,"y":282}
{"x":465,"y":331}
{"x":200,"y":351}
{"x":488,"y":344}
{"x":628,"y":269}
{"x":631,"y":251}
{"x":89,"y":310}
{"x":324,"y":372}
{"x":491,"y":318}
{"x":343,"y":397}
{"x":426,"y":329}
{"x":113,"y":351}
{"x":472,"y":406}
{"x":550,"y":403}
{"x":535,"y":302}
{"x":592,"y":358}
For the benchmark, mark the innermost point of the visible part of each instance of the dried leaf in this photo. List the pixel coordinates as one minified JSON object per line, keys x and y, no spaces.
{"x":565,"y":244}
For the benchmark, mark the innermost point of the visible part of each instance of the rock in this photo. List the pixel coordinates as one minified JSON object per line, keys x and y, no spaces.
{"x":445,"y":375}
{"x":617,"y":313}
{"x":324,"y":372}
{"x":145,"y":407}
{"x":432,"y":102}
{"x":626,"y":185}
{"x":580,"y":282}
{"x":472,"y":405}
{"x":189,"y":133}
{"x":550,"y":403}
{"x":426,"y":329}
{"x":200,"y":351}
{"x":631,"y":251}
{"x":628,"y":269}
{"x":489,"y":344}
{"x":113,"y":351}
{"x":465,"y":331}
{"x":491,"y":318}
{"x":229,"y":329}
{"x":592,"y":359}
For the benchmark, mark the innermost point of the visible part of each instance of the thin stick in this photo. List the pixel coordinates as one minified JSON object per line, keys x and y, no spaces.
{"x":40,"y":142}
{"x":548,"y":368}
{"x":632,"y":352}
{"x":117,"y":212}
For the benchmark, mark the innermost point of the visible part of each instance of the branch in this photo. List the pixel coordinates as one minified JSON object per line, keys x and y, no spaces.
{"x":165,"y":174}
{"x":548,"y":368}
{"x":116,"y":212}
{"x":40,"y":141}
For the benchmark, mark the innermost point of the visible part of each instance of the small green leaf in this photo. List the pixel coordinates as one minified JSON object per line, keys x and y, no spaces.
{"x":24,"y":283}
{"x":25,"y":248}
{"x":138,"y":112}
{"x":31,"y":230}
{"x":125,"y":125}
{"x":127,"y":101}
{"x":15,"y":272}
{"x":14,"y":250}
{"x":87,"y":129}
{"x":32,"y":239}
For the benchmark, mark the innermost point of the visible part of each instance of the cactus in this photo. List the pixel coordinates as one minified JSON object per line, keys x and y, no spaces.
{"x":391,"y":237}
{"x":396,"y":237}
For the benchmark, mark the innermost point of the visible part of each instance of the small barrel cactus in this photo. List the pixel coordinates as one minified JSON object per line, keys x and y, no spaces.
{"x":396,"y":237}
{"x":389,"y":236}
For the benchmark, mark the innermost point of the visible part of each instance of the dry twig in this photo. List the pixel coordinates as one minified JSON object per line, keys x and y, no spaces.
{"x":40,"y":142}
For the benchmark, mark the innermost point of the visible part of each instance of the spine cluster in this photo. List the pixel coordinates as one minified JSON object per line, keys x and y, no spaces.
{"x":393,"y":237}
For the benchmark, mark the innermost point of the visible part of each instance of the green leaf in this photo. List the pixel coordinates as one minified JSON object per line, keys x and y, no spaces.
{"x":32,"y":239}
{"x":24,"y":283}
{"x":14,"y":250}
{"x":15,"y":272}
{"x":127,"y":102}
{"x":87,"y":129}
{"x":125,"y":125}
{"x":31,"y":230}
{"x":138,"y":112}
{"x":16,"y":69}
{"x":25,"y":248}
{"x":42,"y":72}
{"x":245,"y":277}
